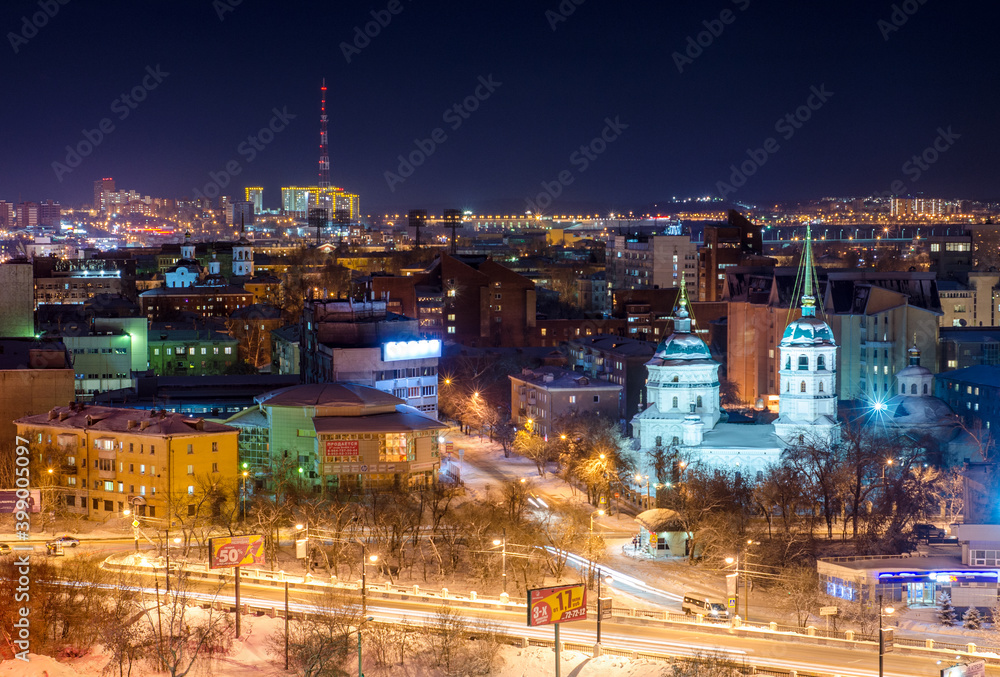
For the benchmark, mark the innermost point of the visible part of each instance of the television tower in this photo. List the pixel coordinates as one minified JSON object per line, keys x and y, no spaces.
{"x":324,"y":158}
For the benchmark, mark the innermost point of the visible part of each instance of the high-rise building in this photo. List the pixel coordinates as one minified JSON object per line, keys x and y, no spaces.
{"x":255,"y":196}
{"x":6,"y":214}
{"x":17,"y":300}
{"x":909,"y":207}
{"x":243,"y":213}
{"x":297,"y":200}
{"x":651,"y":261}
{"x":27,"y":215}
{"x":49,"y":214}
{"x":737,"y":244}
{"x":101,"y":190}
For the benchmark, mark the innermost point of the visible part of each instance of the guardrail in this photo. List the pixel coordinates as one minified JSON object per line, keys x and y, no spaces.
{"x":810,"y":634}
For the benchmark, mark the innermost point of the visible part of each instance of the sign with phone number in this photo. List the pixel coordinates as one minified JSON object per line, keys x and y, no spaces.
{"x":557,"y":604}
{"x":235,"y":551}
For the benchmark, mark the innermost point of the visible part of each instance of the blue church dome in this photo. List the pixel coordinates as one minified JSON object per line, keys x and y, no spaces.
{"x":680,"y":346}
{"x":808,"y":331}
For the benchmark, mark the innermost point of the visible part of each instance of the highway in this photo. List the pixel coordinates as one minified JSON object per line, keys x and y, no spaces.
{"x":845,"y":661}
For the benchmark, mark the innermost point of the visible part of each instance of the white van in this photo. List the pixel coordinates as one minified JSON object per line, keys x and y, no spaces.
{"x":699,"y":604}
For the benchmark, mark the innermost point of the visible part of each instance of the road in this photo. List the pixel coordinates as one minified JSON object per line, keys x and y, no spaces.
{"x":848,"y":661}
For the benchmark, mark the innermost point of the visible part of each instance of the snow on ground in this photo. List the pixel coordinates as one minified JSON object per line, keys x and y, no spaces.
{"x":251,"y":658}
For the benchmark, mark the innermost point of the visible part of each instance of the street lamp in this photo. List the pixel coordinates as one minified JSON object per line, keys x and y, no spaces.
{"x":503,"y":542}
{"x":369,"y":618}
{"x":365,"y":558}
{"x":600,"y":603}
{"x":590,"y":548}
{"x":246,"y":473}
{"x":888,"y":611}
{"x":639,"y":479}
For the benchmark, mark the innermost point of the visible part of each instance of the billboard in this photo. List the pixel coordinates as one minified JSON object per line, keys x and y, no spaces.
{"x":235,"y":551}
{"x":341,"y":448}
{"x":557,"y":604}
{"x":410,"y":350}
{"x":8,"y":500}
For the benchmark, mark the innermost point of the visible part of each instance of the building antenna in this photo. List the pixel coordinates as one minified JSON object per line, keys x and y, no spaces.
{"x":324,"y":157}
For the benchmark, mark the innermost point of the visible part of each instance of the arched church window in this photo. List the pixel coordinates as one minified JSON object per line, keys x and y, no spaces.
{"x":925,"y":389}
{"x":675,"y":379}
{"x":821,"y":386}
{"x":675,"y":441}
{"x":699,"y":401}
{"x":902,"y":390}
{"x":913,"y":388}
{"x":659,"y":441}
{"x":803,"y":362}
{"x":802,"y":387}
{"x":675,"y":403}
{"x":788,"y":362}
{"x":821,"y":362}
{"x":802,"y":439}
{"x":788,"y":387}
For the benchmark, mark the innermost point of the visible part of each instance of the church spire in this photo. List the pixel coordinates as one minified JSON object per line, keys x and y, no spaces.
{"x":808,"y":300}
{"x":682,"y":314}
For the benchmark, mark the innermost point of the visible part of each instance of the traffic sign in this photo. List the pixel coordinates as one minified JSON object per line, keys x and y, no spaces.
{"x":604,"y":607}
{"x":135,"y":524}
{"x":828,"y":611}
{"x":732,"y":602}
{"x":557,"y":604}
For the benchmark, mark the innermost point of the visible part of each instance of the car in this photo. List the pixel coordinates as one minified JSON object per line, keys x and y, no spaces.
{"x":67,"y":540}
{"x":4,"y":549}
{"x":927,"y":531}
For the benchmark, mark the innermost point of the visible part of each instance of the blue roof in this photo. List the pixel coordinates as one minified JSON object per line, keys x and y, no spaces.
{"x":807,"y":331}
{"x":680,"y":346}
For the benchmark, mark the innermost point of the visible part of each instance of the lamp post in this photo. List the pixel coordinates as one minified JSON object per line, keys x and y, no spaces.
{"x":503,"y":555}
{"x":881,"y":633}
{"x":369,"y":618}
{"x":364,"y":577}
{"x":600,"y":604}
{"x":638,"y":480}
{"x":590,"y":548}
{"x":246,"y":473}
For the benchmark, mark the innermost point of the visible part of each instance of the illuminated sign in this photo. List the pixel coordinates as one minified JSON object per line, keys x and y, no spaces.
{"x":557,"y":605}
{"x":410,"y":350}
{"x":941,"y":576}
{"x":341,"y":448}
{"x":235,"y":551}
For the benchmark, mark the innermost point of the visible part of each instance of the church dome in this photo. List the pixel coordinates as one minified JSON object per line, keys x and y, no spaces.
{"x":808,"y":331}
{"x":682,"y":346}
{"x":910,"y":410}
{"x":914,"y":371}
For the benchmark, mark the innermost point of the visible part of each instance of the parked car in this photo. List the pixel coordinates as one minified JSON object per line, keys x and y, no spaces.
{"x":4,"y":549}
{"x":67,"y":540}
{"x":927,"y":531}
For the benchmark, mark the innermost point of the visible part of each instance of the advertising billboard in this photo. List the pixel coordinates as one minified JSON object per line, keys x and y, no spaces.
{"x":336,"y":448}
{"x":557,"y":604}
{"x":235,"y":551}
{"x":393,"y":351}
{"x":8,"y":500}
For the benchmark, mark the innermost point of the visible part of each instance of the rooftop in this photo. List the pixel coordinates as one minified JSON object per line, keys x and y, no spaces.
{"x":132,"y":421}
{"x":556,"y":378}
{"x":979,"y":375}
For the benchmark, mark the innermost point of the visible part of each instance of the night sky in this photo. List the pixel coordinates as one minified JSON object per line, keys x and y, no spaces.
{"x":888,"y":91}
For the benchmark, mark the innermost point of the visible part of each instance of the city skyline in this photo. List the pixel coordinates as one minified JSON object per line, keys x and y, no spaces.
{"x":533,"y":105}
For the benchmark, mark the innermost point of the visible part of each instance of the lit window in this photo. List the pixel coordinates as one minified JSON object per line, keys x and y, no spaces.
{"x":229,"y":351}
{"x":572,"y":399}
{"x":451,"y":330}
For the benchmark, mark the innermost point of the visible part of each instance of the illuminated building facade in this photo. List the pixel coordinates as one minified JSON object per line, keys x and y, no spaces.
{"x":255,"y":196}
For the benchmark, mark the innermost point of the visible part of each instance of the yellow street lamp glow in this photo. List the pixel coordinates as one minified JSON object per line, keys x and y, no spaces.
{"x":729,"y":560}
{"x":373,"y":558}
{"x":299,"y":527}
{"x":497,"y":541}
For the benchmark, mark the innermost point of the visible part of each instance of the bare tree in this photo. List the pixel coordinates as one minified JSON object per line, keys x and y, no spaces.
{"x":320,"y":643}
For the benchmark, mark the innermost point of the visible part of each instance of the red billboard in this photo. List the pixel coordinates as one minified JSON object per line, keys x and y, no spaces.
{"x":341,"y":448}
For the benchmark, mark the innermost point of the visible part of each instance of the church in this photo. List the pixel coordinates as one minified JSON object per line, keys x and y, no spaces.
{"x":684,"y":410}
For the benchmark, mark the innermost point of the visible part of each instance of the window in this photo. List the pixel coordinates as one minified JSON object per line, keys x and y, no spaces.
{"x":229,"y":351}
{"x":215,"y":467}
{"x":190,"y":448}
{"x":180,"y":350}
{"x":131,"y":467}
{"x":109,"y":506}
{"x":451,"y":318}
{"x":674,"y":379}
{"x":913,"y":388}
{"x":191,"y":490}
{"x":190,"y":470}
{"x":803,"y":362}
{"x":142,"y":469}
{"x":215,"y":446}
{"x":821,"y":362}
{"x":156,"y":351}
{"x":191,"y":510}
{"x":109,"y":485}
{"x":698,"y":402}
{"x":674,"y":403}
{"x":451,"y":330}
{"x":925,"y":389}
{"x":802,"y":387}
{"x":572,"y":399}
{"x":821,"y":386}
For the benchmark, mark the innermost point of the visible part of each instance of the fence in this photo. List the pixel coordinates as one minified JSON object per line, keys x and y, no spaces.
{"x":911,"y":645}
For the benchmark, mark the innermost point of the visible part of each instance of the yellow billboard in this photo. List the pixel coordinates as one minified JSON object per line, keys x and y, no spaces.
{"x":235,"y":551}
